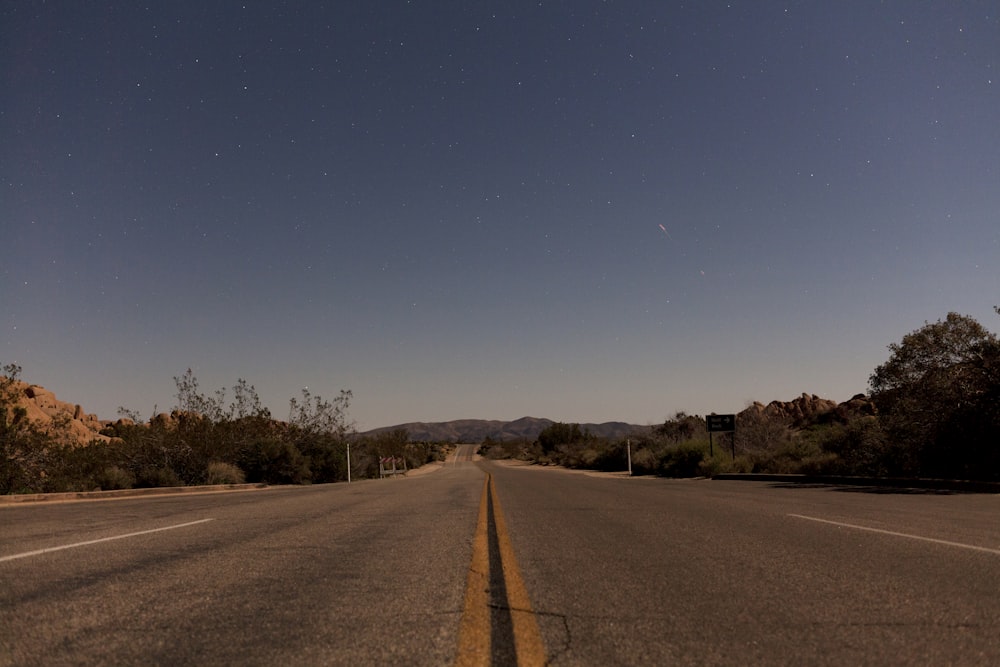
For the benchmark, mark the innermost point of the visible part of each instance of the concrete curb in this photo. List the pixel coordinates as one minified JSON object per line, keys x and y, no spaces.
{"x":957,"y":485}
{"x":15,"y":498}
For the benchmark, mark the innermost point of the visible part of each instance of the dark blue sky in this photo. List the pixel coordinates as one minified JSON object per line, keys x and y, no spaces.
{"x":453,"y":209}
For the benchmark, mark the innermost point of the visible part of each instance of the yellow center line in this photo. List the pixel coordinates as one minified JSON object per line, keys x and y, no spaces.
{"x":527,"y":636}
{"x":475,"y":629}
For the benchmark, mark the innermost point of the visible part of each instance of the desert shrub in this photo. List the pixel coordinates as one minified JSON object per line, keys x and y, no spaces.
{"x":683,"y":459}
{"x":114,"y":477}
{"x":66,"y":467}
{"x":275,"y":461}
{"x":554,"y":435}
{"x":589,"y":457}
{"x":568,"y":454}
{"x":859,"y":447}
{"x":507,"y":449}
{"x":714,"y":465}
{"x":325,"y":457}
{"x":644,"y":461}
{"x":785,"y":457}
{"x":157,"y":477}
{"x":219,"y":472}
{"x":610,"y":456}
{"x":681,"y":428}
{"x":742,"y":463}
{"x":824,"y":463}
{"x":421,"y":453}
{"x":757,"y":432}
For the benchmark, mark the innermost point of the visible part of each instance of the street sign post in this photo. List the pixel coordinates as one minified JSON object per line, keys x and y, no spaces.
{"x":721,"y":424}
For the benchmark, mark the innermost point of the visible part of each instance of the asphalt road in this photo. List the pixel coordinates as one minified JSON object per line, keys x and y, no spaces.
{"x":367,"y":573}
{"x":688,"y":572}
{"x":618,"y":571}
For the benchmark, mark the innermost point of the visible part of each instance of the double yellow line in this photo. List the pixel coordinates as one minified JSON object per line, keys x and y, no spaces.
{"x":476,"y":645}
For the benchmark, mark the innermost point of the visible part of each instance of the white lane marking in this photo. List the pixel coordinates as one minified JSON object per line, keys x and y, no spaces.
{"x":103,"y":539}
{"x":895,"y":534}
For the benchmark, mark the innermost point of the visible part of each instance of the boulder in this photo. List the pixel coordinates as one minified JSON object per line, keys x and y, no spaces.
{"x":42,"y":407}
{"x":805,"y":409}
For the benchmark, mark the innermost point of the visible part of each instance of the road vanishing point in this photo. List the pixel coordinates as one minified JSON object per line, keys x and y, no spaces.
{"x":493,"y":563}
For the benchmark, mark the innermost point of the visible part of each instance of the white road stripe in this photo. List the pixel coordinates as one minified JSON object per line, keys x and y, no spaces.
{"x":103,"y":539}
{"x":895,"y":534}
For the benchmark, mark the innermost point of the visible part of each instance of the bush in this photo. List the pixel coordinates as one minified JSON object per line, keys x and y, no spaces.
{"x":609,"y":457}
{"x":275,"y":462}
{"x":643,"y":462}
{"x":223,"y":473}
{"x":719,"y":463}
{"x":161,"y":477}
{"x":683,"y":460}
{"x":114,"y":477}
{"x":858,"y":448}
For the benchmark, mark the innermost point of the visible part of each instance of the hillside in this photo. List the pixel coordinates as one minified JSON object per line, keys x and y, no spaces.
{"x":477,"y":430}
{"x":797,"y":413}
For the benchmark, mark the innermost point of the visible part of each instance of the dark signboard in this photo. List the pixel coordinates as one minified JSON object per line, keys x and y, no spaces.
{"x":720,"y":423}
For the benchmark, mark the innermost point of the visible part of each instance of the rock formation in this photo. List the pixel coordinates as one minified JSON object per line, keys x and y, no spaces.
{"x":47,"y":411}
{"x":810,"y":409}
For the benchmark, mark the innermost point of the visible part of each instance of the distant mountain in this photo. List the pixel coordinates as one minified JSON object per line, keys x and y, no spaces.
{"x":798,"y":413}
{"x":477,"y":430}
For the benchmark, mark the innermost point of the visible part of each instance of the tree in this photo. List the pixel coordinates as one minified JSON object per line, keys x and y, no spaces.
{"x":931,"y":396}
{"x":318,"y":428}
{"x":681,"y":428}
{"x":313,"y":415}
{"x":191,"y":401}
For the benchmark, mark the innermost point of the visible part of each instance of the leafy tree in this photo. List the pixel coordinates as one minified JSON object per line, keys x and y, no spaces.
{"x":936,"y":397}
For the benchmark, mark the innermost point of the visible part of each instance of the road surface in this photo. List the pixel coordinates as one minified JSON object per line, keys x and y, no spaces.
{"x":552,"y":566}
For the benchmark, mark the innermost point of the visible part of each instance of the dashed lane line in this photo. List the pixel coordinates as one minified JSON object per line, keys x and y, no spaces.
{"x":910,"y":536}
{"x":37,"y":552}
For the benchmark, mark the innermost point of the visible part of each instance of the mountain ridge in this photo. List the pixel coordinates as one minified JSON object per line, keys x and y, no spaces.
{"x":477,"y":430}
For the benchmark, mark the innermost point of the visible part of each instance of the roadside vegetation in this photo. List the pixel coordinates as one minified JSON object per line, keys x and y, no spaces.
{"x":933,"y":411}
{"x":205,"y":439}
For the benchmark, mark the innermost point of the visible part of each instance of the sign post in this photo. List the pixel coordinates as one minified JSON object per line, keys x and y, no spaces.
{"x":721,"y":424}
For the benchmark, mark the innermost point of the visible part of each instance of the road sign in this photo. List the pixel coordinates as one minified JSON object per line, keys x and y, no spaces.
{"x":720,"y":423}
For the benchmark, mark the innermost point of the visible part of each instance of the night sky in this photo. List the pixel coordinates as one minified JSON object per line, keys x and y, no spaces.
{"x":454,"y":209}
